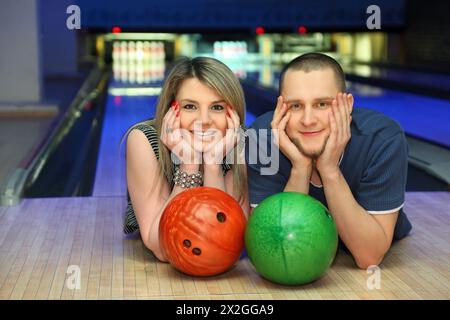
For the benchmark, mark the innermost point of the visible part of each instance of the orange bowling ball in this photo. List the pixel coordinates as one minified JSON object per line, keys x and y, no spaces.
{"x":202,"y":231}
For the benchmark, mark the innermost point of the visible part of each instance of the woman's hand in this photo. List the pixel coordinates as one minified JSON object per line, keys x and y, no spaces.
{"x":220,"y":146}
{"x":178,"y":140}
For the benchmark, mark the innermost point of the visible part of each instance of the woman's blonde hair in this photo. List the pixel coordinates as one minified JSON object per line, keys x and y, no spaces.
{"x":217,"y":76}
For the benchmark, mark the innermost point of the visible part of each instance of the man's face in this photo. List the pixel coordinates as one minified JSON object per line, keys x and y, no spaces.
{"x":308,"y":97}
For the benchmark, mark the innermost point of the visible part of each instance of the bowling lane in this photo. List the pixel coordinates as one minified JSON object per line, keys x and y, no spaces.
{"x":120,"y":114}
{"x":138,"y":71}
{"x":420,"y":116}
{"x":417,"y":79}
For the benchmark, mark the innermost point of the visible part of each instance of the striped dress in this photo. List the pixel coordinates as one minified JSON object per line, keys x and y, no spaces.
{"x":130,"y":223}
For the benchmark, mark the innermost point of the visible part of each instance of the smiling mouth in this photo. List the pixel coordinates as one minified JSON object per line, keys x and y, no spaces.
{"x":203,"y":134}
{"x":311,"y":133}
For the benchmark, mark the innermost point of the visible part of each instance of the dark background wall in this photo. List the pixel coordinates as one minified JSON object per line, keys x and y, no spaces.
{"x":232,"y":14}
{"x":58,"y":43}
{"x":427,"y":35}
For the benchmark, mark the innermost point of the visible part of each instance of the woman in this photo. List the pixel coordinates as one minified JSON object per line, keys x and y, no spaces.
{"x":199,"y":113}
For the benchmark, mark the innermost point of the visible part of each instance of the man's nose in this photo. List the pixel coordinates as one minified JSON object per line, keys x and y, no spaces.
{"x":308,"y":116}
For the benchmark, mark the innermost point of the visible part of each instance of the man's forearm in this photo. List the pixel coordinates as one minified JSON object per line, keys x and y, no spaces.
{"x":298,"y":181}
{"x":360,"y":232}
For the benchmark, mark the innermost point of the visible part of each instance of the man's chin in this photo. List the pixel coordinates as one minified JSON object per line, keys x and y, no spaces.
{"x":312,"y":150}
{"x":313,"y":154}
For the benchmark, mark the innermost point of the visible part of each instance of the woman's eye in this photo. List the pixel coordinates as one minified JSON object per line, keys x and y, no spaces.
{"x":190,"y":107}
{"x":217,"y":107}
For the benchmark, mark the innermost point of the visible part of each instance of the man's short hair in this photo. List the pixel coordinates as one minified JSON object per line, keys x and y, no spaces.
{"x":315,"y":61}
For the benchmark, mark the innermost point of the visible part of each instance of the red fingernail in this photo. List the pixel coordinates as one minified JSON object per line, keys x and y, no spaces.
{"x":173,"y":104}
{"x":228,"y":115}
{"x":178,"y":113}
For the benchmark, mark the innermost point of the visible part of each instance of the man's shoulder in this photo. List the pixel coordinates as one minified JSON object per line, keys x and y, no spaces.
{"x":263,"y":121}
{"x":374,"y":133}
{"x":369,"y":122}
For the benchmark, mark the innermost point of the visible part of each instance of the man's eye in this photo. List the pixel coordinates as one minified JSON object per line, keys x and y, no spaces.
{"x":190,"y":107}
{"x":294,"y":106}
{"x":217,"y":107}
{"x":323,"y":105}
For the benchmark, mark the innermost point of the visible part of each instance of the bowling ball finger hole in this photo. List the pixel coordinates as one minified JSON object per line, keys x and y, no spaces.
{"x":197,"y":251}
{"x":221,"y":217}
{"x":187,"y":243}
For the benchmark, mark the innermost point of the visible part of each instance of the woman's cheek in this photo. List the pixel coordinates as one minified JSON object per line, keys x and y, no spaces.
{"x":185,"y":120}
{"x":223,"y":125}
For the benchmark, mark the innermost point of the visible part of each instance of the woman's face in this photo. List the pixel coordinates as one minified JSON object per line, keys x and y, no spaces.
{"x":202,"y":110}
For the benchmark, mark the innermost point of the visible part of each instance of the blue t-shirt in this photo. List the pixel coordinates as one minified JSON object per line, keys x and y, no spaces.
{"x":374,"y":165}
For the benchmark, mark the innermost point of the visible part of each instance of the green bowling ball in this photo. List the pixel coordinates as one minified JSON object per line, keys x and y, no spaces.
{"x":291,"y":238}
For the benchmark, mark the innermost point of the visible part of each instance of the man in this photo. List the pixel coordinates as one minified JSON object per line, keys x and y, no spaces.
{"x":353,"y":160}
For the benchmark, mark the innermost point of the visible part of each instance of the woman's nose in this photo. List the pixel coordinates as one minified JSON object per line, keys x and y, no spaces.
{"x":205,"y":117}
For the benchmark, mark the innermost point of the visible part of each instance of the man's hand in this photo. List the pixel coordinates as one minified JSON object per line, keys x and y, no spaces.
{"x":340,"y":119}
{"x":280,"y":119}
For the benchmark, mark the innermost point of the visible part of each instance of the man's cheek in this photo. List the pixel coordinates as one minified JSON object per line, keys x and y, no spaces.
{"x":290,"y":127}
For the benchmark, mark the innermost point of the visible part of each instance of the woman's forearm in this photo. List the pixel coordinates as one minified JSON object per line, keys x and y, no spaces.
{"x":153,"y":235}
